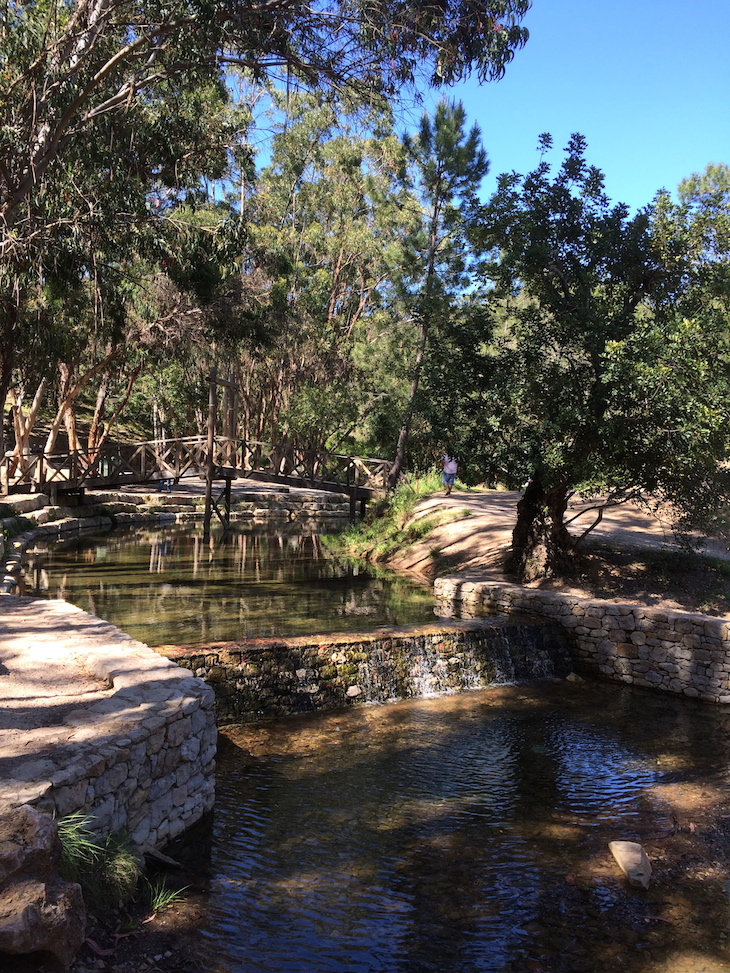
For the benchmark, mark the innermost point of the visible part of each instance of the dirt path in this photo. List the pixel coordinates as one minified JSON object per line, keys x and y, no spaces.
{"x":475,"y":545}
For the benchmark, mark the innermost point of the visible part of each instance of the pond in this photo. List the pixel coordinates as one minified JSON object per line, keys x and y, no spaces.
{"x":457,"y":834}
{"x":469,"y":833}
{"x":172,"y":587}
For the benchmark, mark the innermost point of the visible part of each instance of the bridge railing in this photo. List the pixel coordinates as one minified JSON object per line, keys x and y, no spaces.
{"x":146,"y":462}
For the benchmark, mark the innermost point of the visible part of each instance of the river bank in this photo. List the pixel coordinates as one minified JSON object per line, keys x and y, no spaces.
{"x":632,"y":556}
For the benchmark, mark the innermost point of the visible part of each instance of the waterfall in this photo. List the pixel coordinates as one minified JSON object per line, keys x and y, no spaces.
{"x":492,"y":652}
{"x":262,"y":678}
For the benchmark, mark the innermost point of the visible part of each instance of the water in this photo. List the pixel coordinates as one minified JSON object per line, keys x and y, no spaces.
{"x":467,"y":833}
{"x":462,"y":834}
{"x":170,"y":587}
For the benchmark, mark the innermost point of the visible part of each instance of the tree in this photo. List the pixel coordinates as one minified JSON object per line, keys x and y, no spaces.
{"x":325,"y":221}
{"x":577,"y":375}
{"x":104,"y":102}
{"x":448,"y":166}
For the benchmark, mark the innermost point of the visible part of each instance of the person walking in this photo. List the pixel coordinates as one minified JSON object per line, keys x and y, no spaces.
{"x":450,"y":469}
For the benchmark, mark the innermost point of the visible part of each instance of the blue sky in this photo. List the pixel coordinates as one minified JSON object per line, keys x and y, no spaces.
{"x":647,"y":82}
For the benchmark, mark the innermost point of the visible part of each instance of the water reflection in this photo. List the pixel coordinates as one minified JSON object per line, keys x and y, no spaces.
{"x":171,"y":586}
{"x":459,"y":834}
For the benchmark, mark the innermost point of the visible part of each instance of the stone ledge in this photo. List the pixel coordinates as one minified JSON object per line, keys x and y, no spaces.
{"x":147,"y":719}
{"x":599,"y":640}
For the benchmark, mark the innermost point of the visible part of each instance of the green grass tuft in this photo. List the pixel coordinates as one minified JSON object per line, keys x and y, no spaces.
{"x":159,"y":895}
{"x":107,"y":872}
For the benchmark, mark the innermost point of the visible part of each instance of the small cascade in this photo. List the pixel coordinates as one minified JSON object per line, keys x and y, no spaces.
{"x":494,"y":652}
{"x":260,"y":679}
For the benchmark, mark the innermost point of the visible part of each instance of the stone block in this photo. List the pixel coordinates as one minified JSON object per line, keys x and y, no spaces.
{"x":71,"y":798}
{"x":179,"y":731}
{"x":111,"y":780}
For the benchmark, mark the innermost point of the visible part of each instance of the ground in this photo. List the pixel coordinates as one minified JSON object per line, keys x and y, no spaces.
{"x":632,"y":557}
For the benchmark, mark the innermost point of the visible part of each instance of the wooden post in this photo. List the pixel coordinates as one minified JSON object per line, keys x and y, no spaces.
{"x":228,"y":502}
{"x":212,"y":409}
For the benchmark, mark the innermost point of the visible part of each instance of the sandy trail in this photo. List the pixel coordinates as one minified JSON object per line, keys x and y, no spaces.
{"x":476,"y":544}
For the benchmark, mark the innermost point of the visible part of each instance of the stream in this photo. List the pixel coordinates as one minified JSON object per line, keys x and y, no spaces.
{"x":454,"y":834}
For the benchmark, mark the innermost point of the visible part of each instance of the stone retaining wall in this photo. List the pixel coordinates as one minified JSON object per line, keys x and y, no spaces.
{"x":139,"y":756}
{"x":673,"y":651}
{"x":260,"y":678}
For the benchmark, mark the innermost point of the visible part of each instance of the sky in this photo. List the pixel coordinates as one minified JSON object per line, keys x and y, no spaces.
{"x":647,"y":82}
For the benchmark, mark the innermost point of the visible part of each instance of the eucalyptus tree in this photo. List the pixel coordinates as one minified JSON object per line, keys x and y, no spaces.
{"x":102,"y":100}
{"x":325,"y":224}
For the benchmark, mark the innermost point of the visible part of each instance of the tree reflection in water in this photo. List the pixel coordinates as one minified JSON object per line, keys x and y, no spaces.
{"x":172,"y":586}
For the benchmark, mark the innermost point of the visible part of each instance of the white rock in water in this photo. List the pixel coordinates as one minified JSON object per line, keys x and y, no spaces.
{"x":632,"y":860}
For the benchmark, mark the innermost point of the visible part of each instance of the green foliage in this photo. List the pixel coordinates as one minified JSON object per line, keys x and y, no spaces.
{"x":159,"y":896}
{"x":325,"y":222}
{"x":447,"y":164}
{"x":389,"y":526}
{"x":79,"y":849}
{"x":107,"y":872}
{"x":581,"y":371}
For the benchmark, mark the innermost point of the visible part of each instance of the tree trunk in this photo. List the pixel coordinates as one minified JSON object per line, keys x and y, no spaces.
{"x":68,"y":395}
{"x":8,"y":323}
{"x":100,"y":430}
{"x":23,"y":424}
{"x":541,"y":543}
{"x":405,"y":430}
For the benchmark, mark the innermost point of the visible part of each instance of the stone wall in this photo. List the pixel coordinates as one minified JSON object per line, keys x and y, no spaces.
{"x":673,"y":651}
{"x":137,"y":754}
{"x":260,"y":678}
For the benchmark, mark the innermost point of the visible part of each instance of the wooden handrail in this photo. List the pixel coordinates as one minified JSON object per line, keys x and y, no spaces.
{"x":152,"y":460}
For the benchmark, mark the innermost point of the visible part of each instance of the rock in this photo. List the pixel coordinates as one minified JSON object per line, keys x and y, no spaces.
{"x":39,"y":912}
{"x":633,"y":861}
{"x":42,"y":917}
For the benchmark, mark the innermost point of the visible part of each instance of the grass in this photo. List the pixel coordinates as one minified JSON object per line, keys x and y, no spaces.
{"x":389,"y":526}
{"x":159,"y":895}
{"x":108,"y":872}
{"x":79,"y":849}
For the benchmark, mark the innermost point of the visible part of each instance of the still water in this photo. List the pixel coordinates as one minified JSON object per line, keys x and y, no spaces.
{"x":171,"y":587}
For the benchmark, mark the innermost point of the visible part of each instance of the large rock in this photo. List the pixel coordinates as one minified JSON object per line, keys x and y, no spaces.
{"x":39,"y":912}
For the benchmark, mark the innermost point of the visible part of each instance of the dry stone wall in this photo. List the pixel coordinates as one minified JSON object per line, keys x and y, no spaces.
{"x":265,"y":678}
{"x":136,"y":755}
{"x":672,"y":651}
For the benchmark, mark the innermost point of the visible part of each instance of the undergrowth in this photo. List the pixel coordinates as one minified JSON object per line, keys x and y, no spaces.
{"x":109,"y":872}
{"x":388,"y":526}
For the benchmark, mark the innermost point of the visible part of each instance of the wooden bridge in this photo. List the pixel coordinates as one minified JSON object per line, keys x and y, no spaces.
{"x":119,"y":465}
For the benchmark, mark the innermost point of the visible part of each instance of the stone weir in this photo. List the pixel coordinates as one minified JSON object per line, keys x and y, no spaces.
{"x":270,"y":678}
